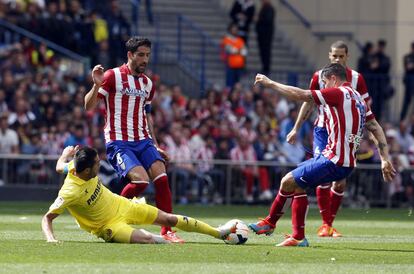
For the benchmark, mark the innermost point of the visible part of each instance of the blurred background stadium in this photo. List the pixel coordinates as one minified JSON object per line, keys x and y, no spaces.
{"x":47,"y":49}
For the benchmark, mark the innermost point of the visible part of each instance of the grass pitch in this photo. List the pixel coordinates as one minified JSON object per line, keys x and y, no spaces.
{"x":375,"y":241}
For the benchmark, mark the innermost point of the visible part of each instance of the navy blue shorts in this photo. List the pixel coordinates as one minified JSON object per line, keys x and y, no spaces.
{"x":320,"y":140}
{"x":319,"y":170}
{"x":124,"y":155}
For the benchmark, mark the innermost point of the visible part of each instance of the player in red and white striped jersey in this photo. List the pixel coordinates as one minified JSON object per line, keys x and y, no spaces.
{"x":131,"y":147}
{"x":329,"y":197}
{"x":346,"y":112}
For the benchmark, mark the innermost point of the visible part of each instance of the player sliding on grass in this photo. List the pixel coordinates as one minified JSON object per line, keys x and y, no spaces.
{"x":107,"y":215}
{"x":347,"y":117}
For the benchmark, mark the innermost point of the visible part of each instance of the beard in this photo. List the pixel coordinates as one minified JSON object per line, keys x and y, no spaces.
{"x":140,"y":69}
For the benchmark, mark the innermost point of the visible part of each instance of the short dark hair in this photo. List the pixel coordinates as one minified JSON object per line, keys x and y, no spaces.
{"x":382,"y":43}
{"x":339,"y":45}
{"x":135,"y":42}
{"x":334,"y":69}
{"x":84,"y":158}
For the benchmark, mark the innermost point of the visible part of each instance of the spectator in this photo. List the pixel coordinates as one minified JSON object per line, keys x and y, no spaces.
{"x":242,"y":14}
{"x":77,"y":137}
{"x":408,"y":81}
{"x":22,"y":115}
{"x":382,"y":89}
{"x":244,"y":152}
{"x":265,"y":27}
{"x":119,"y":31}
{"x":9,"y":140}
{"x":179,"y":150}
{"x":365,"y":60}
{"x":404,"y":137}
{"x":234,"y":54}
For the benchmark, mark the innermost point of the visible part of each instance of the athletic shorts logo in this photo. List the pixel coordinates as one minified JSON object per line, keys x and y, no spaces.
{"x":303,"y":180}
{"x":120,"y":161}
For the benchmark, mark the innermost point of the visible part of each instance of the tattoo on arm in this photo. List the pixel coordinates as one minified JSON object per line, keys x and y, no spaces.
{"x":381,"y":146}
{"x":309,"y":98}
{"x":371,"y":126}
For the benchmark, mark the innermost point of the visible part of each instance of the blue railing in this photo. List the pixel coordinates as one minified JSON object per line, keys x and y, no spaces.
{"x":297,"y":13}
{"x":320,"y":34}
{"x":135,"y":5}
{"x":194,"y":63}
{"x":198,"y":65}
{"x":10,"y":38}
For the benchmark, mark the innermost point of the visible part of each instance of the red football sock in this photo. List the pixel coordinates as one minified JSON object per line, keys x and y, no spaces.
{"x":279,"y":206}
{"x":249,"y":181}
{"x":299,"y":212}
{"x":324,"y":202}
{"x":134,"y":189}
{"x":163,"y":199}
{"x":263,"y":178}
{"x":336,"y":199}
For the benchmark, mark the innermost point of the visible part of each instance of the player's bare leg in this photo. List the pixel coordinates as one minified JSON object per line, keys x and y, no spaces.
{"x":141,"y":236}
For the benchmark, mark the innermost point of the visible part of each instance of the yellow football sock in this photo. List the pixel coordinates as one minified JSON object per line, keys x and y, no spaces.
{"x":193,"y":225}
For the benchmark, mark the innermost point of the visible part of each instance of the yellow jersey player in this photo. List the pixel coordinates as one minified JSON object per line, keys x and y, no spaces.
{"x":107,"y":215}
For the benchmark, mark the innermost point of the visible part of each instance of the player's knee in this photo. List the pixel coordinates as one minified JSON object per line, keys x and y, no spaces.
{"x":142,"y":238}
{"x":288,"y":183}
{"x":138,"y":176}
{"x":339,"y":186}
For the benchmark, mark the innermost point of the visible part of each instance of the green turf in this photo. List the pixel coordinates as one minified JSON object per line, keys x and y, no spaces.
{"x":376,"y":241}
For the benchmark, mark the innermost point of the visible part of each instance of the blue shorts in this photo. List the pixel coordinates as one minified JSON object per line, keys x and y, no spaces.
{"x":124,"y":155}
{"x":319,"y":170}
{"x":320,"y":140}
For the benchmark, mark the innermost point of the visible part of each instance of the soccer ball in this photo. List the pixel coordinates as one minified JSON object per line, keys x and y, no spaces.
{"x":240,"y":236}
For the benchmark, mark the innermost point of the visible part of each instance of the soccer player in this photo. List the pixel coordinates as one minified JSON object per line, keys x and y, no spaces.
{"x":347,"y":116}
{"x":131,"y":146}
{"x":107,"y":215}
{"x":329,"y":196}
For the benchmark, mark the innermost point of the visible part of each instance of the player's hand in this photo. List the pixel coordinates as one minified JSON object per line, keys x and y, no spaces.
{"x":263,"y":80}
{"x":164,"y":154}
{"x":291,"y":137}
{"x":388,"y":171}
{"x":70,"y":151}
{"x":98,"y":75}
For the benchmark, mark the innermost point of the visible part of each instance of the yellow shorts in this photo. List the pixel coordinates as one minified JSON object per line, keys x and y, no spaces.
{"x":119,"y":230}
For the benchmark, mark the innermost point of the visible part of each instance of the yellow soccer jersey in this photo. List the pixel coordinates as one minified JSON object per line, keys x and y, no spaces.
{"x":90,"y":202}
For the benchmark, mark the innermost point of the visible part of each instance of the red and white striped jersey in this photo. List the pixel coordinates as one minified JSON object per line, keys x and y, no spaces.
{"x":125,"y":98}
{"x":357,"y":82}
{"x":237,"y":154}
{"x":346,"y":113}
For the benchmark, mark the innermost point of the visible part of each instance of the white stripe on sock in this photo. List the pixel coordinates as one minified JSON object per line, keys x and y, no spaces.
{"x":159,"y":176}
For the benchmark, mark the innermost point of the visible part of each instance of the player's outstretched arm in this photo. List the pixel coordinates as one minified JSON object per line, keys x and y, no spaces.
{"x":67,"y":153}
{"x":388,"y":170}
{"x":47,"y":227}
{"x":292,"y":93}
{"x":91,"y":98}
{"x":304,"y":113}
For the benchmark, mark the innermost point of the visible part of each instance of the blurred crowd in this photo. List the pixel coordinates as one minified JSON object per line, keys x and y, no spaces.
{"x":96,"y":29}
{"x":42,"y":111}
